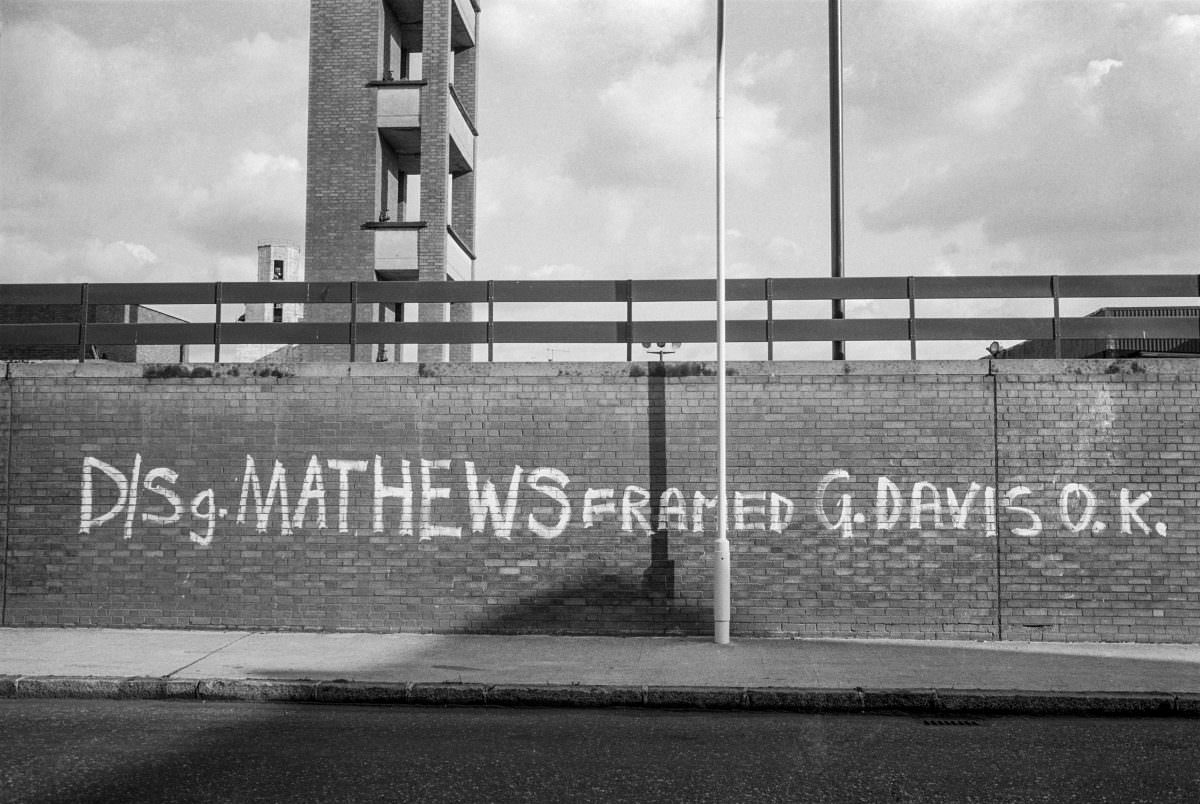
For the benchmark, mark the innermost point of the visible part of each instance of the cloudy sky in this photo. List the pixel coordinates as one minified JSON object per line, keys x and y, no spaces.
{"x":162,"y":139}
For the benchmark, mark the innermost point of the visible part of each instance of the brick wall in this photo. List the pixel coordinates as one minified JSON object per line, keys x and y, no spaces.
{"x":1100,"y":568}
{"x":929,"y":500}
{"x":343,"y":161}
{"x":7,"y":424}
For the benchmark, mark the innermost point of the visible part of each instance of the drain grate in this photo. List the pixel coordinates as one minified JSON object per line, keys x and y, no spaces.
{"x":946,"y":722}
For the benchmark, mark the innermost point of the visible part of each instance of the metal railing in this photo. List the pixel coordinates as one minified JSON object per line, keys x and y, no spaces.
{"x":79,"y":329}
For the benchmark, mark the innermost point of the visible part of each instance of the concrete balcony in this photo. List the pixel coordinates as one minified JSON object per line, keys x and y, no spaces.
{"x":460,"y":262}
{"x":396,"y":253}
{"x":398,"y":104}
{"x":462,"y":24}
{"x":462,"y":136}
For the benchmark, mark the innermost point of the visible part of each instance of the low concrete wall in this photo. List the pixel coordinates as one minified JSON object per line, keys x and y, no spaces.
{"x":1015,"y":500}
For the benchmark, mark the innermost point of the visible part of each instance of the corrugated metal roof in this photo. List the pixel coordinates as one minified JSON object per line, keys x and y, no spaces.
{"x":1146,"y":312}
{"x":1113,"y":347}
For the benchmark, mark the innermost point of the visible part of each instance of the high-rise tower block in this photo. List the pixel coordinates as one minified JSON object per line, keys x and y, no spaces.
{"x":391,"y":151}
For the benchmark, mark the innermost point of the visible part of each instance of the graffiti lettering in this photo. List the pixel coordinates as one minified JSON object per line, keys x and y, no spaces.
{"x":425,"y":506}
{"x":157,"y":481}
{"x":931,"y":508}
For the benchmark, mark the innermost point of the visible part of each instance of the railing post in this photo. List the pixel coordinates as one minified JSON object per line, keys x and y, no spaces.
{"x":628,"y":320}
{"x":770,"y":293}
{"x":83,"y":321}
{"x":217,"y":296}
{"x":491,"y":322}
{"x":912,"y":318}
{"x":1057,"y":329}
{"x":353,"y":321}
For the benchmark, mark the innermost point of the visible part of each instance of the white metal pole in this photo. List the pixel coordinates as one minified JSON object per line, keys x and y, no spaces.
{"x":836,"y":203}
{"x":721,"y":554}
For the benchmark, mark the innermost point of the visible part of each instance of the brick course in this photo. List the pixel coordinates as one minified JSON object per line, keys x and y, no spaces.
{"x":924,"y":455}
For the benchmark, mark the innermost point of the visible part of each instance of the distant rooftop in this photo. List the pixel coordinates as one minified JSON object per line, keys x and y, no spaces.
{"x":1114,"y":347}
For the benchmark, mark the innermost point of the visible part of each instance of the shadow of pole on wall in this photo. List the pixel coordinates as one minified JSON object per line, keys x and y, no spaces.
{"x":658,"y":581}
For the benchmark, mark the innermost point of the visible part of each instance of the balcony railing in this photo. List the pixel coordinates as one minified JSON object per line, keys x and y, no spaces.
{"x":769,"y":329}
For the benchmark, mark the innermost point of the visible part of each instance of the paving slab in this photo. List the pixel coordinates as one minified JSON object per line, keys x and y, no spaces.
{"x":432,"y":658}
{"x":106,"y":651}
{"x":1059,"y":667}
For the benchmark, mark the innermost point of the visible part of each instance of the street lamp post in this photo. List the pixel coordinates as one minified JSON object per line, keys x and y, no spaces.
{"x":837,"y":206}
{"x":721,"y":551}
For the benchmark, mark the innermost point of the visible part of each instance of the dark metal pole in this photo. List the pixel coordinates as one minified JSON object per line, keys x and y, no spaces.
{"x":835,"y":160}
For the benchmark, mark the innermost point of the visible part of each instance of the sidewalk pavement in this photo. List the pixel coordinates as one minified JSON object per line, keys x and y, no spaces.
{"x":816,"y":675}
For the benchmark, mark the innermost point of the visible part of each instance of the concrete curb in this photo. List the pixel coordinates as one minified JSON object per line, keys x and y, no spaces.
{"x":786,"y":699}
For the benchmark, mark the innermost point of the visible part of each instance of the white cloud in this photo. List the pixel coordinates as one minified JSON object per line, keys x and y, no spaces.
{"x":152,"y":140}
{"x":656,"y":126}
{"x":1090,"y":161}
{"x":1084,"y":85}
{"x":760,"y":67}
{"x":1183,"y":26}
{"x":260,"y":196}
{"x":560,"y":271}
{"x":600,"y":32}
{"x":993,"y":104}
{"x":75,"y":259}
{"x":140,"y":253}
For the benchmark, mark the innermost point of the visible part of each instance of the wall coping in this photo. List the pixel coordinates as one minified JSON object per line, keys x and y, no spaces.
{"x":1188,"y":368}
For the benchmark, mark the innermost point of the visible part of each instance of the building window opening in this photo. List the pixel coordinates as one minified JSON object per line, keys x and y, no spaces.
{"x":401,"y":44}
{"x":400,"y":179}
{"x":402,"y":185}
{"x":410,"y":64}
{"x":277,"y":270}
{"x":277,"y":313}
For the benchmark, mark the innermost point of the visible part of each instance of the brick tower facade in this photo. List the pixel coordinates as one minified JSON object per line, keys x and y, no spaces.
{"x":391,"y":153}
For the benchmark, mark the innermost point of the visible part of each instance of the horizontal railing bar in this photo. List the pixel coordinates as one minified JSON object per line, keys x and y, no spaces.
{"x":152,"y":293}
{"x":692,"y":290}
{"x":999,"y":329}
{"x":846,"y":329}
{"x":605,"y":331}
{"x":451,"y":332}
{"x":560,"y":332}
{"x":1135,"y":285}
{"x":1115,"y":327}
{"x":304,"y":332}
{"x":991,"y":287}
{"x":39,"y":334}
{"x":165,"y":334}
{"x":841,"y":288}
{"x":157,"y":334}
{"x":597,"y":291}
{"x":41,"y":294}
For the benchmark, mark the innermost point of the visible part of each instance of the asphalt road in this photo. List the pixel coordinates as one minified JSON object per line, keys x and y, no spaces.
{"x":68,"y":751}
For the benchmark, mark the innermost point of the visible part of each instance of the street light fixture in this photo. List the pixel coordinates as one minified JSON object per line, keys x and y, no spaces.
{"x":664,"y":348}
